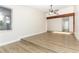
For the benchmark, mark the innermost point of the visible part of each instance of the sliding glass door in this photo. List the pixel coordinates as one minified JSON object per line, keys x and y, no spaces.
{"x":65,"y":25}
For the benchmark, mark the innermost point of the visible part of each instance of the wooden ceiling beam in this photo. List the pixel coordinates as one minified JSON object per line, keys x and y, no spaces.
{"x":60,"y":16}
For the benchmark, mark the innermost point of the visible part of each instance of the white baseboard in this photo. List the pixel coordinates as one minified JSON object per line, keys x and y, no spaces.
{"x":6,"y":43}
{"x":32,"y":35}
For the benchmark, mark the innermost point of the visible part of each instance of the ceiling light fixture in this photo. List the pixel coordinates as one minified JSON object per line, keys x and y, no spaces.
{"x":52,"y":11}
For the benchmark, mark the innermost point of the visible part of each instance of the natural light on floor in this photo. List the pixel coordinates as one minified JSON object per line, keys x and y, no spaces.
{"x":63,"y":32}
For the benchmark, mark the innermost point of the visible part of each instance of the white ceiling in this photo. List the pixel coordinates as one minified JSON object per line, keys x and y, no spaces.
{"x":45,"y":8}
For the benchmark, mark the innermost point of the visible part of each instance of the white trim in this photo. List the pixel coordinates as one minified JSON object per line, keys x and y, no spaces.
{"x":32,"y":34}
{"x":6,"y":43}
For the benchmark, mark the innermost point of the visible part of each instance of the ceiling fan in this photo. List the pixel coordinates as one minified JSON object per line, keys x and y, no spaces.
{"x":52,"y":11}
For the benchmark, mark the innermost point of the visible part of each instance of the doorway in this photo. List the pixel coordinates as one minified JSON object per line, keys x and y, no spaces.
{"x":67,"y":24}
{"x":62,"y":23}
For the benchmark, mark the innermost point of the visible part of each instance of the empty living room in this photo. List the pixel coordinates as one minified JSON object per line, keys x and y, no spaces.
{"x":39,"y":28}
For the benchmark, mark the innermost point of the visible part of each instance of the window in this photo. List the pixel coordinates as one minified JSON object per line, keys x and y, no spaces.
{"x":5,"y":18}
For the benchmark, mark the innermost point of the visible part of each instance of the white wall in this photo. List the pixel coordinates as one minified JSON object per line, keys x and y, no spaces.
{"x":71,"y":24}
{"x":66,"y":10}
{"x":56,"y":24}
{"x":77,"y":22}
{"x":26,"y":21}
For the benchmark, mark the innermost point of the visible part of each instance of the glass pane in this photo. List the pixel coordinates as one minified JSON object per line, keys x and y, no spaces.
{"x":66,"y":24}
{"x":5,"y":18}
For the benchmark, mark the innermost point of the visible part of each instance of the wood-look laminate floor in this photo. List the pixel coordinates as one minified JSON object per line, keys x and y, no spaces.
{"x":44,"y":43}
{"x":22,"y":47}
